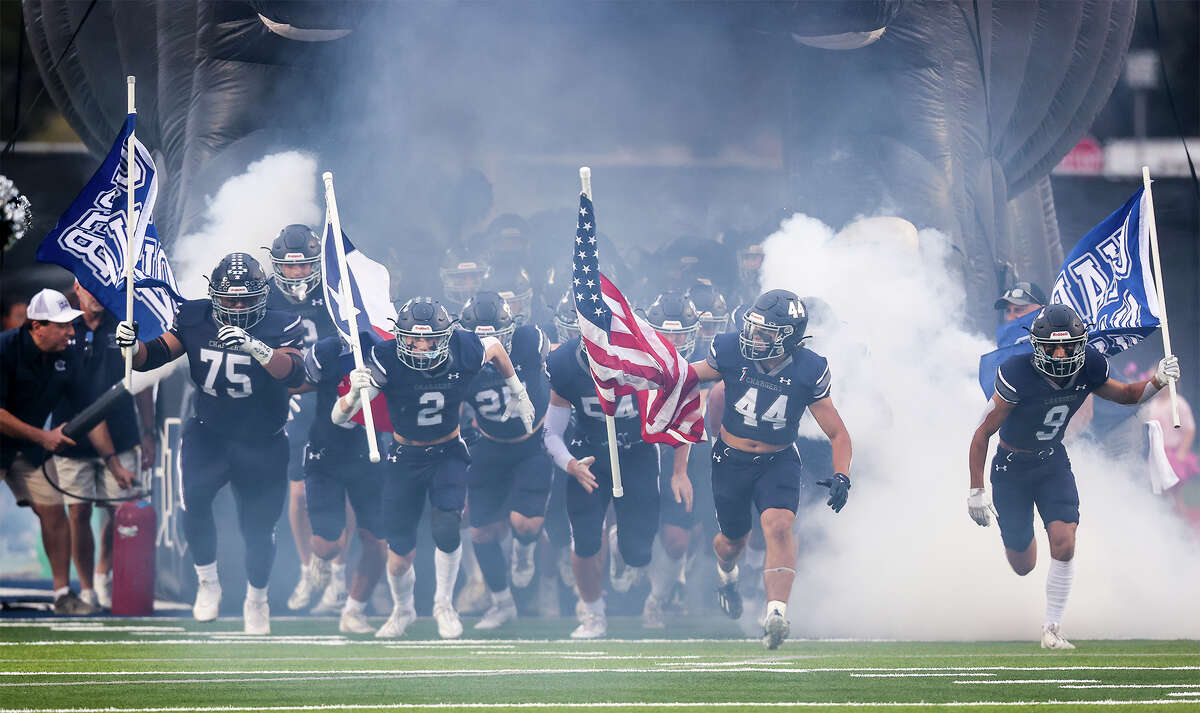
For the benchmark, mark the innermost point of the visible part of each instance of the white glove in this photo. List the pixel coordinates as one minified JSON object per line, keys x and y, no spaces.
{"x":979,"y":505}
{"x":1168,"y":370}
{"x":293,"y":406}
{"x":360,"y":379}
{"x":519,"y":405}
{"x":126,"y":334}
{"x":238,"y":339}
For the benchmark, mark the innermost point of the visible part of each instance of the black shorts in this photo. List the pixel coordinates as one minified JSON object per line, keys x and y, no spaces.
{"x":414,"y":473}
{"x":508,"y":477}
{"x":739,"y":479}
{"x":636,"y":510}
{"x":257,"y":468}
{"x":1022,"y":480}
{"x":669,"y":511}
{"x":297,"y":428}
{"x":331,"y":476}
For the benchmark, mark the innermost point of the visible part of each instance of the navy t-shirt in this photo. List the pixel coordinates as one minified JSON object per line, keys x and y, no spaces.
{"x":32,"y":383}
{"x":570,"y":379}
{"x":489,"y":396}
{"x":1042,"y":409}
{"x":766,"y":405}
{"x":237,"y":397}
{"x":103,"y":365}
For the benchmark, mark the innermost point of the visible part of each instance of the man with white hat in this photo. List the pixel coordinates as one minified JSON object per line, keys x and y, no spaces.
{"x":36,"y":373}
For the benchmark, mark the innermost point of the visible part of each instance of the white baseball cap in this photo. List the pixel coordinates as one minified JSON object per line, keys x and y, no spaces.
{"x":51,"y":306}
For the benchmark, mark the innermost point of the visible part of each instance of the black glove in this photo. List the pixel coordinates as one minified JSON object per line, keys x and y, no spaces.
{"x":839,"y":490}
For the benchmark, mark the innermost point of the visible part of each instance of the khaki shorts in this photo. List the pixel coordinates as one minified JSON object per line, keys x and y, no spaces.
{"x":88,"y":478}
{"x":27,"y":483}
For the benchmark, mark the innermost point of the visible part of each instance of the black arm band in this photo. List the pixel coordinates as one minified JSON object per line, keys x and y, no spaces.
{"x":157,"y":354}
{"x":296,"y":375}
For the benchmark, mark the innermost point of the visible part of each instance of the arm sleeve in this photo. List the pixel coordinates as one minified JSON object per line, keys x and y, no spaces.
{"x":486,"y":343}
{"x":552,"y":434}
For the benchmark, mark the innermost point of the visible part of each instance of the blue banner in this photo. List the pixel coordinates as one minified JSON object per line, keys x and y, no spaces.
{"x":90,"y":240}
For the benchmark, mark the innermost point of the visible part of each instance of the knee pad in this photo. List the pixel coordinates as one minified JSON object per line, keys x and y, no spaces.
{"x":587,"y":544}
{"x":635,"y":553}
{"x":525,"y":539}
{"x":445,"y":525}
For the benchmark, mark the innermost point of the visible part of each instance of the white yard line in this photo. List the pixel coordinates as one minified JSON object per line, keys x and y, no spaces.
{"x":1034,"y":680}
{"x":915,"y":675}
{"x":1138,"y":685}
{"x":607,"y":704}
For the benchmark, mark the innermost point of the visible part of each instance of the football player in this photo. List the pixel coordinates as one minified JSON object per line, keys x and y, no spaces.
{"x":1036,"y":396}
{"x":770,"y":378}
{"x":425,"y":375}
{"x":337,"y":469}
{"x":243,"y":358}
{"x":510,"y":473}
{"x":462,"y":276}
{"x":296,"y":287}
{"x":589,"y":491}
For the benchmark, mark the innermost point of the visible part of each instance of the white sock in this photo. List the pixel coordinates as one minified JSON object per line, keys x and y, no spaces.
{"x":596,"y":607}
{"x":445,"y":567}
{"x":353,"y":606}
{"x":316,"y":564}
{"x":207,"y":572}
{"x":100,"y":576}
{"x":727,"y":577}
{"x":402,"y":589}
{"x":664,"y":572}
{"x":254,"y":594}
{"x":776,"y":605}
{"x":502,"y":597}
{"x":1058,"y":588}
{"x":61,"y":591}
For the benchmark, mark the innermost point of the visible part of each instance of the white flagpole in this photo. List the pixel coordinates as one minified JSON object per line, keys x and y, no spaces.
{"x":585,"y":179}
{"x":347,"y":305}
{"x":130,"y":226}
{"x":1158,"y":287}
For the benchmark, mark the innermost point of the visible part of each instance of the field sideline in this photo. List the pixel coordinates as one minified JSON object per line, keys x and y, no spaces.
{"x":169,"y":665}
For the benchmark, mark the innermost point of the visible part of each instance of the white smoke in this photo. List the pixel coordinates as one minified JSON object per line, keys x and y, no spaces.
{"x":903,"y":559}
{"x":247,"y":213}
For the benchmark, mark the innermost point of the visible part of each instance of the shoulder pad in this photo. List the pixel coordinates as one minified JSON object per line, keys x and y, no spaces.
{"x":193,"y":312}
{"x":1095,"y":366}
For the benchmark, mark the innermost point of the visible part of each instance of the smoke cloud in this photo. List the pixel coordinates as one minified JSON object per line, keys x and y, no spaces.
{"x":903,"y":559}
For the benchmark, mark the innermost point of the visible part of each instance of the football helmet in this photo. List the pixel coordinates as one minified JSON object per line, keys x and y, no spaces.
{"x":238,"y":289}
{"x":566,"y":325}
{"x":773,"y":326}
{"x":1058,"y":325}
{"x":514,"y":287}
{"x":462,"y":276}
{"x":487,"y":315}
{"x":423,"y":329}
{"x":674,"y":316}
{"x":711,"y":307}
{"x":296,"y":261}
{"x":749,"y":262}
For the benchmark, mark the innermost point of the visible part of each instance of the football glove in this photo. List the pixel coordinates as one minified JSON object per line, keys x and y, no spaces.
{"x":126,"y":334}
{"x":240,"y":340}
{"x":839,"y":490}
{"x":519,"y":405}
{"x":979,"y":505}
{"x":1168,"y":370}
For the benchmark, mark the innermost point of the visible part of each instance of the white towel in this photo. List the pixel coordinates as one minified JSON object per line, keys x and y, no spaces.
{"x":1162,"y":475}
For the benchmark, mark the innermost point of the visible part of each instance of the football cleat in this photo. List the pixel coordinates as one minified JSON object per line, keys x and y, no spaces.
{"x":334,"y":597}
{"x":592,"y":626}
{"x":448,"y":624}
{"x":354,"y":622}
{"x":498,"y":614}
{"x":730,"y":599}
{"x":71,"y":605}
{"x":652,"y":614}
{"x":303,"y":593}
{"x":256,"y":617}
{"x":775,"y":629}
{"x":208,"y":600}
{"x":473,"y":597}
{"x":103,"y":586}
{"x":394,"y":627}
{"x":88,"y":596}
{"x":522,"y":564}
{"x":1052,"y":638}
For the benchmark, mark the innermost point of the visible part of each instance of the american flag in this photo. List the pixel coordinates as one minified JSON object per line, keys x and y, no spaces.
{"x":627,"y":356}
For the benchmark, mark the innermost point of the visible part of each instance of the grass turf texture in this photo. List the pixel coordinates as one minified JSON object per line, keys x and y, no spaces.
{"x":177,"y":664}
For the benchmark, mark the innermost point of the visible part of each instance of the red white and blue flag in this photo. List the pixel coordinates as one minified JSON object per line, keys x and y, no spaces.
{"x":368,"y":312}
{"x":627,"y":356}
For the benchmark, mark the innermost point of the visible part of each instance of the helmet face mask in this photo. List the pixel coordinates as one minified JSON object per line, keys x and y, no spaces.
{"x":238,"y":290}
{"x":713,"y":310}
{"x":423,"y":330}
{"x":566,"y":325}
{"x":462,"y":279}
{"x":773,"y":326}
{"x":674,"y":317}
{"x":1058,"y":327}
{"x":296,"y":262}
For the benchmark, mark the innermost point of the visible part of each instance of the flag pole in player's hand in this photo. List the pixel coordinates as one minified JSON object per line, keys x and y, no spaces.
{"x":1158,"y":288}
{"x":610,"y":422}
{"x":348,"y":312}
{"x":130,"y":225}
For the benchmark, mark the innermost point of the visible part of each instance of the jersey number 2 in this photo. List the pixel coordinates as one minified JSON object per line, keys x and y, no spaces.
{"x":1055,"y":419}
{"x":776,"y":414}
{"x":241,"y":381}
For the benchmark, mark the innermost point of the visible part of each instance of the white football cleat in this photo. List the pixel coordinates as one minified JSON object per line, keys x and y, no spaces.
{"x":1052,"y":638}
{"x":334,"y":597}
{"x":522,"y":567}
{"x":394,"y":627}
{"x":208,"y":600}
{"x":473,"y":597}
{"x":498,"y":614}
{"x":354,"y":622}
{"x":592,"y":626}
{"x":103,"y":590}
{"x":88,"y":596}
{"x":256,"y":617}
{"x":303,"y":593}
{"x":652,"y":614}
{"x":448,"y":624}
{"x":775,"y":629}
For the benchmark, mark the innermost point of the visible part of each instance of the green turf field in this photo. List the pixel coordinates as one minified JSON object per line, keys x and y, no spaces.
{"x":167,"y":664}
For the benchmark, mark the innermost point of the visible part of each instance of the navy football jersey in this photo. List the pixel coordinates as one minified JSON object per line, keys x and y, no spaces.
{"x":424,"y":405}
{"x":322,"y":365}
{"x":313,"y":314}
{"x":237,"y":397}
{"x":765,"y":405}
{"x":570,"y":379}
{"x":1042,"y":409}
{"x":489,"y":396}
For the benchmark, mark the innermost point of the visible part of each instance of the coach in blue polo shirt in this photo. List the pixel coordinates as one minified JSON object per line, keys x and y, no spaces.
{"x":37,"y":371}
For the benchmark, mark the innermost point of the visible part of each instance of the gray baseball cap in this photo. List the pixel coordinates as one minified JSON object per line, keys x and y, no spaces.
{"x":1022,"y":293}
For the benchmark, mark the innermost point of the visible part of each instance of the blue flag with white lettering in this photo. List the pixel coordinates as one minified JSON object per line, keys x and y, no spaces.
{"x":1107,"y":279}
{"x":90,"y":240}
